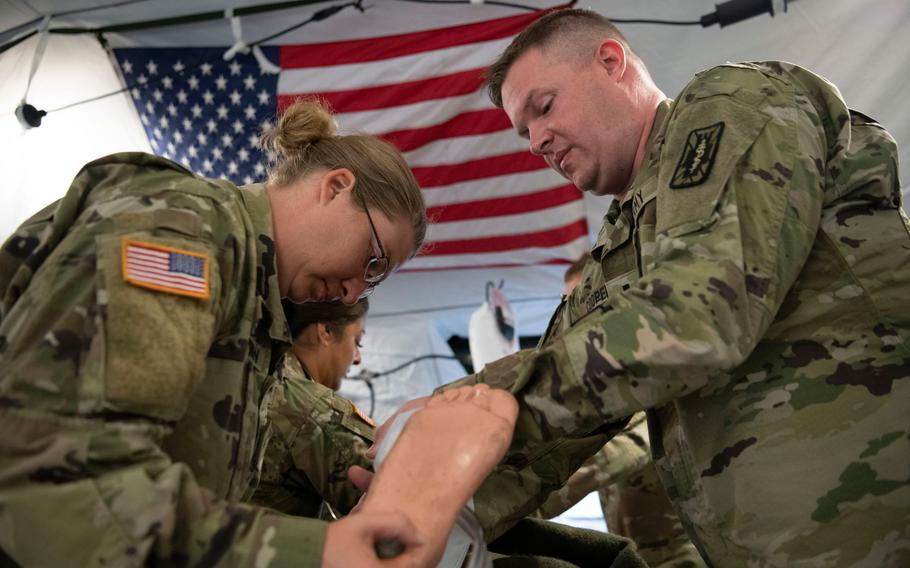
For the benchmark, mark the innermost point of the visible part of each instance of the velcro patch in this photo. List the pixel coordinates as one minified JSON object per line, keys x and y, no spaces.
{"x":697,"y":156}
{"x":362,"y":416}
{"x":165,"y":269}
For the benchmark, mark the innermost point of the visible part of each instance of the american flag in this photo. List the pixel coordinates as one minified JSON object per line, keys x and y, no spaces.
{"x":491,"y":202}
{"x":167,"y":269}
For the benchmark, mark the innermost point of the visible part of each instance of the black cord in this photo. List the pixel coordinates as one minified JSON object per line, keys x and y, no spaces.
{"x":320,"y":15}
{"x":367,"y":375}
{"x":457,"y":307}
{"x":485,"y":3}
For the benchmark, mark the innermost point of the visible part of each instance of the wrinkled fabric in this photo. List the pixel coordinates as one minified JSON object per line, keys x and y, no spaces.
{"x":134,"y":418}
{"x":763,"y":328}
{"x":316,"y":436}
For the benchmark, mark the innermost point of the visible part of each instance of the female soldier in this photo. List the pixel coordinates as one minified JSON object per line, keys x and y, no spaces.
{"x":316,"y":434}
{"x":141,"y":329}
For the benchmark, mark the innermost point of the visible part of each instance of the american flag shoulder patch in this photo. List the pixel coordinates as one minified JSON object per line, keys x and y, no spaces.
{"x":165,"y":269}
{"x":361,"y":415}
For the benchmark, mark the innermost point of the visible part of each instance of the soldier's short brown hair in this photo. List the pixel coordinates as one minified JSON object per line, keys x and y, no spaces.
{"x":572,"y":29}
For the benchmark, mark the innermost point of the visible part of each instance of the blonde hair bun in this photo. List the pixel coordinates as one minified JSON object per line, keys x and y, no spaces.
{"x":303,"y":123}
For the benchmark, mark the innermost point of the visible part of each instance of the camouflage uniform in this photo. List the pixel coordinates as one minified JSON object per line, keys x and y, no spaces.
{"x":763,"y":325}
{"x":133,"y":418}
{"x":634,"y":502}
{"x":316,"y":436}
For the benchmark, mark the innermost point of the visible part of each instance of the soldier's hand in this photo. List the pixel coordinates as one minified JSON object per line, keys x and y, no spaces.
{"x":353,"y":540}
{"x":382,"y":430}
{"x":360,"y":477}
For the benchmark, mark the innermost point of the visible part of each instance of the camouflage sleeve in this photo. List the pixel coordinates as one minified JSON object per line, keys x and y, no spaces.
{"x":324,"y":434}
{"x":721,"y":256}
{"x":618,"y":460}
{"x":94,"y":370}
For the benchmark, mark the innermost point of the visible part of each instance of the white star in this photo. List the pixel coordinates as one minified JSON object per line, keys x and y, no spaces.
{"x":217,"y":153}
{"x":249,"y":83}
{"x":178,"y":137}
{"x":142,"y":79}
{"x":238,"y":127}
{"x":203,"y":140}
{"x":265,"y":126}
{"x":167,"y":82}
{"x":152,"y":67}
{"x":163,"y":121}
{"x":150,"y":107}
{"x":235,"y":68}
{"x":185,"y":161}
{"x":235,"y":97}
{"x":207,"y":165}
{"x":221,"y":83}
{"x":232,"y":167}
{"x":208,"y":97}
{"x":196,"y":110}
{"x":155,"y":144}
{"x":227,"y":140}
{"x":171,"y":109}
{"x":253,"y":140}
{"x":158,"y":95}
{"x":250,"y":112}
{"x":187,"y":124}
{"x":259,"y":168}
{"x":211,"y":125}
{"x":171,"y":148}
{"x":127,"y":67}
{"x":135,"y":93}
{"x":247,"y":180}
{"x":243,"y":155}
{"x":206,"y":68}
{"x":222,"y":112}
{"x":178,"y":67}
{"x":263,"y":97}
{"x":156,"y":133}
{"x":194,"y":82}
{"x":144,"y":119}
{"x":181,"y":96}
{"x":192,"y":151}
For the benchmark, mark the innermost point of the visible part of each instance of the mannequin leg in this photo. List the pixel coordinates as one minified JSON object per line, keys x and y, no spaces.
{"x":443,"y":454}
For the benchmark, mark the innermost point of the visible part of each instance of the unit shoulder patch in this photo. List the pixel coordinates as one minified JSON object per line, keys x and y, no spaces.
{"x":165,"y":269}
{"x":362,"y":416}
{"x":697,"y":156}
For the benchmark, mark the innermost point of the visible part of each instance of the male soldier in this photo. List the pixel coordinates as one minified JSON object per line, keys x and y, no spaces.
{"x":633,"y":500}
{"x":761,"y":316}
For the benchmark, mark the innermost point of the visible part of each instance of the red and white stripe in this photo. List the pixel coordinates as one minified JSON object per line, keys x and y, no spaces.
{"x":152,"y":266}
{"x":491,"y":202}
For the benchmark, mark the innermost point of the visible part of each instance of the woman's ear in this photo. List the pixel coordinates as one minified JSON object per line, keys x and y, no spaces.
{"x":335,"y":182}
{"x":323,"y":333}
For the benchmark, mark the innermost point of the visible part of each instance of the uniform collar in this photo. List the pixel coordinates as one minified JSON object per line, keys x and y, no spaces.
{"x":257,"y":205}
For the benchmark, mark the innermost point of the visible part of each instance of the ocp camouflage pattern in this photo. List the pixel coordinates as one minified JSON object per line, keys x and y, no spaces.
{"x":316,"y":437}
{"x":134,"y":420}
{"x":765,"y":331}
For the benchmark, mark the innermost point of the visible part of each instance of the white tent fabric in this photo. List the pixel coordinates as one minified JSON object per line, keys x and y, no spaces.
{"x":860,"y":46}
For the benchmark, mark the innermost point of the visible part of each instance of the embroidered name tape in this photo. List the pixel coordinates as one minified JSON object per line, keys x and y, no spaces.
{"x":166,"y":269}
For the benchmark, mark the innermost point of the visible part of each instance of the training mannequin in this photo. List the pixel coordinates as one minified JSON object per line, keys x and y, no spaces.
{"x":435,"y":467}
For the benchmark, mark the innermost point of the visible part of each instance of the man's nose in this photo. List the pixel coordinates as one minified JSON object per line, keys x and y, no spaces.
{"x":353,"y":288}
{"x":540,"y":142}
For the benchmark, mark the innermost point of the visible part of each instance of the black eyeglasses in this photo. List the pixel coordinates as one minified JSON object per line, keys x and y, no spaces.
{"x":378,"y":266}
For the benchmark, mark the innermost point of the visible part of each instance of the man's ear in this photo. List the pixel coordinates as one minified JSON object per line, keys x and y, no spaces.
{"x":611,"y":55}
{"x":334,"y":183}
